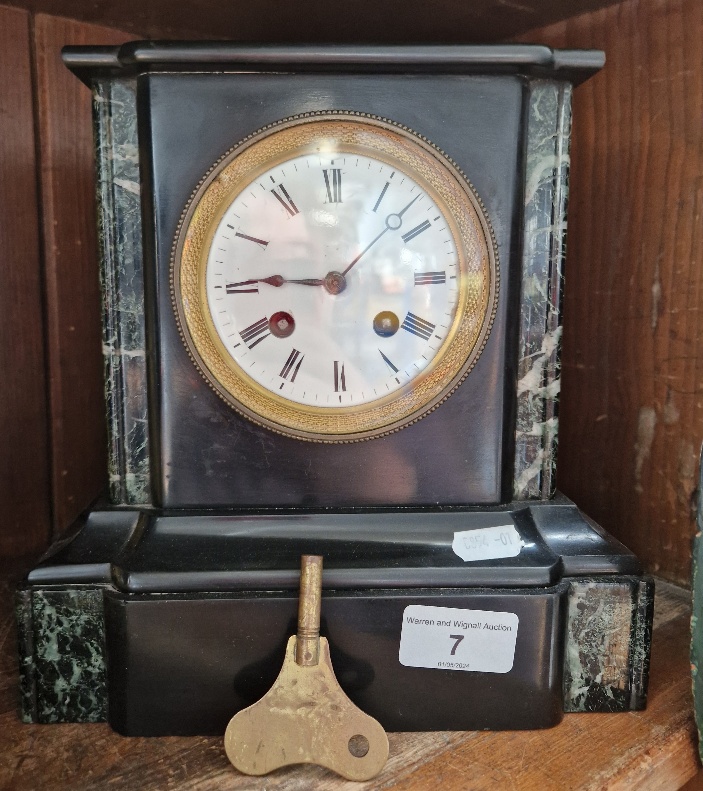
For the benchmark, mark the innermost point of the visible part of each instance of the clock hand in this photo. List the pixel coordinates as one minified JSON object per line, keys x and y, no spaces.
{"x":393,"y":222}
{"x":367,"y":248}
{"x":279,"y":280}
{"x":402,"y":211}
{"x":333,"y":282}
{"x":307,"y":281}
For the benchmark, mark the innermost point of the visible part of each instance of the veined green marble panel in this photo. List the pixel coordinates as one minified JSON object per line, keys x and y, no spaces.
{"x":606,"y":654}
{"x":544,"y":248}
{"x":65,"y":678}
{"x":122,"y":280}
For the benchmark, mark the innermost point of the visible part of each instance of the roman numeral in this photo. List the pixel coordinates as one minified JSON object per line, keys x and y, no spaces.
{"x":255,"y":330}
{"x":286,"y":201}
{"x":290,"y":362}
{"x":340,"y":381}
{"x":416,"y":231}
{"x":252,"y":238}
{"x":427,"y":278}
{"x":334,"y":189}
{"x":412,"y":323}
{"x":380,"y":197}
{"x":245,"y":287}
{"x":388,"y":362}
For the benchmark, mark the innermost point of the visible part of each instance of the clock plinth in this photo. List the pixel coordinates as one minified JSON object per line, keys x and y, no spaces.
{"x":157,"y":609}
{"x":443,"y":518}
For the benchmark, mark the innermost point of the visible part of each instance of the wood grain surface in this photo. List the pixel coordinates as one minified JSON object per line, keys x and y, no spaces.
{"x":24,"y":465}
{"x":77,"y":411}
{"x":632,"y":395}
{"x":401,"y":21}
{"x":654,"y":749}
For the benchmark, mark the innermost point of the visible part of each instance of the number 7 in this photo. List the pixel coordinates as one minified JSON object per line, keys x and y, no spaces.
{"x":458,"y":638}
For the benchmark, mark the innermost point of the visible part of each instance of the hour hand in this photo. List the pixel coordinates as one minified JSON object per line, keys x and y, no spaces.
{"x":276,"y":281}
{"x":307,"y":281}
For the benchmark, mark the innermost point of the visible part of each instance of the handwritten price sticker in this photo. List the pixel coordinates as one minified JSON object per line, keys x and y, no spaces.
{"x":488,"y":543}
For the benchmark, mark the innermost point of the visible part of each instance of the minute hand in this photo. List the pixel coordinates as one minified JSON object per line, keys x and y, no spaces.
{"x":393,"y":222}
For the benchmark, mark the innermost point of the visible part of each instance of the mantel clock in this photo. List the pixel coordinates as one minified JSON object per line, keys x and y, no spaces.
{"x":332,"y":287}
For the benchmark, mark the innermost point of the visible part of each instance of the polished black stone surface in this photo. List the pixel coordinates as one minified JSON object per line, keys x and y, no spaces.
{"x":89,"y":62}
{"x":187,"y":664}
{"x":200,"y":551}
{"x":204,"y":452}
{"x":197,"y":607}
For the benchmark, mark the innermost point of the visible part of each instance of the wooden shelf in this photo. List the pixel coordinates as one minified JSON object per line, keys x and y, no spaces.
{"x":316,"y":21}
{"x":654,"y":749}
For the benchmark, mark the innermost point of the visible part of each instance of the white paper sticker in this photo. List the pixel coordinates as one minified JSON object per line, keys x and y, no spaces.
{"x":447,"y":638}
{"x":488,"y":543}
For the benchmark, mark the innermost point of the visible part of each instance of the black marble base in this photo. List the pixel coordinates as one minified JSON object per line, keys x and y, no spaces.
{"x":169,"y":624}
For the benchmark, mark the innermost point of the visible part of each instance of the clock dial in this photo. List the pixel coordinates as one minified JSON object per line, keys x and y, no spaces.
{"x":275,"y":247}
{"x":337,"y":278}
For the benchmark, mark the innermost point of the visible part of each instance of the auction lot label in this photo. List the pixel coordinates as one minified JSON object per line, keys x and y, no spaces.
{"x":447,"y":638}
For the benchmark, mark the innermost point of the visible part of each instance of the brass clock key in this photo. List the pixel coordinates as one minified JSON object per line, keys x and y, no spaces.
{"x":306,"y":717}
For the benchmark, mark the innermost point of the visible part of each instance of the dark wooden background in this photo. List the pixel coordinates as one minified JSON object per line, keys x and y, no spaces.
{"x":632,"y":413}
{"x":632,"y":408}
{"x":52,"y":425}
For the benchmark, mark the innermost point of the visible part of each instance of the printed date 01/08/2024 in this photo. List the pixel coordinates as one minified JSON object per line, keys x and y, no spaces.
{"x":453,"y":665}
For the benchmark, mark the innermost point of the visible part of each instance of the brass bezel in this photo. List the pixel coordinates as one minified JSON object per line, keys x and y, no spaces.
{"x":409,"y":153}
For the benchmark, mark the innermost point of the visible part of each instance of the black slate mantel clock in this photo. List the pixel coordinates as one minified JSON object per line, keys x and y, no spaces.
{"x":332,"y":285}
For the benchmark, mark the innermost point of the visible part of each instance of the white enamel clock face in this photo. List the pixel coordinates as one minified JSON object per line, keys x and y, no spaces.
{"x":335,"y":279}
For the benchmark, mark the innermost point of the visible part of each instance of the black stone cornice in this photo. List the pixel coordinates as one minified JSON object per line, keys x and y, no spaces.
{"x":136,"y":57}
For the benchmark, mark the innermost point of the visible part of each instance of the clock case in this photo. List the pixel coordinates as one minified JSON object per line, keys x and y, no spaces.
{"x":168,"y":608}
